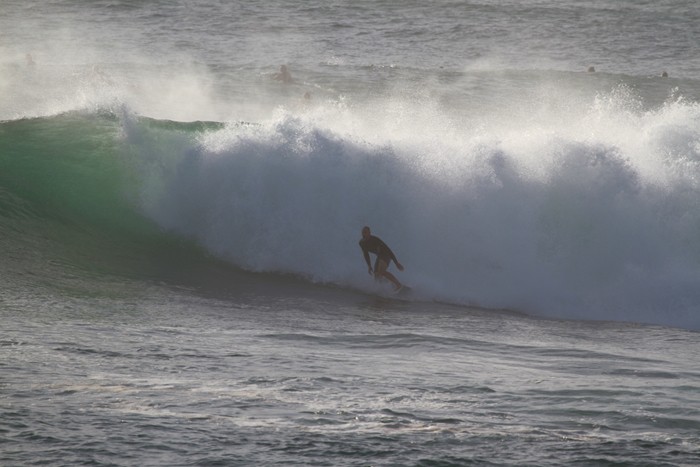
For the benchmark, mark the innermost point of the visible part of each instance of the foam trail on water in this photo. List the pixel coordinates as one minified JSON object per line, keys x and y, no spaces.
{"x":592,"y":217}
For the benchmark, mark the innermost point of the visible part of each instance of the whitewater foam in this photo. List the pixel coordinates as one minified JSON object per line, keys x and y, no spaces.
{"x":593,"y":218}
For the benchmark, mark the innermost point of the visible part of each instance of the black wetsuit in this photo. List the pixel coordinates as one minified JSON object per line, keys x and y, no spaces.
{"x":378,"y":247}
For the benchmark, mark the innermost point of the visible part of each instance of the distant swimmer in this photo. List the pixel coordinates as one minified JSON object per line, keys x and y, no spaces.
{"x":591,"y":69}
{"x":372,"y":244}
{"x":664,"y":74}
{"x":30,"y":60}
{"x":283,"y":75}
{"x":305,"y":102}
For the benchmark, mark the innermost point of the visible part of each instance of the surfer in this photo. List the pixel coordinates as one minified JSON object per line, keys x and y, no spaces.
{"x":283,"y":75}
{"x":373,"y":244}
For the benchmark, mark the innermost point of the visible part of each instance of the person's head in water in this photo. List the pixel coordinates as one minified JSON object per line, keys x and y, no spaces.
{"x":365,"y":232}
{"x":283,"y":75}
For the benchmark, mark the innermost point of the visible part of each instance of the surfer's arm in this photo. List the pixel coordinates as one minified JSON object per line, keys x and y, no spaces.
{"x":365,"y":253}
{"x":393,"y":258}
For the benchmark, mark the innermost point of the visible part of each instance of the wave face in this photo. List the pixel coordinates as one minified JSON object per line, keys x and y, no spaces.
{"x":567,"y":195}
{"x":589,"y":213}
{"x":70,"y":225}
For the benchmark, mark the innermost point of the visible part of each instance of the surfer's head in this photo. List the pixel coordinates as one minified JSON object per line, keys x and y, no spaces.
{"x":365,"y":232}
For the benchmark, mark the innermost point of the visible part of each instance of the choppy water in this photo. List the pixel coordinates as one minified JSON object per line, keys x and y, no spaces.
{"x":180,"y":277}
{"x":170,"y":379}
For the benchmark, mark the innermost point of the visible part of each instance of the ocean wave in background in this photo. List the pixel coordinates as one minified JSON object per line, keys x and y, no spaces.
{"x":563,"y":204}
{"x":502,"y":178}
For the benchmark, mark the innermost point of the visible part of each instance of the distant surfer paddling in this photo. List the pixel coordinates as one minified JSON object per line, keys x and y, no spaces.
{"x":373,"y":244}
{"x":283,"y":75}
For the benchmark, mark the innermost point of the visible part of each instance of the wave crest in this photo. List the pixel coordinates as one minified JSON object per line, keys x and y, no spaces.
{"x":600,"y":226}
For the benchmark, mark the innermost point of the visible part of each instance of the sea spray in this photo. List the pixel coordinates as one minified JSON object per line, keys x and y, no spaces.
{"x":592,"y":218}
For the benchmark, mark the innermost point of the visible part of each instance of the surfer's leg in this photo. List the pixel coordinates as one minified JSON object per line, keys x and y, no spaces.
{"x":379,"y":266}
{"x":380,"y":271}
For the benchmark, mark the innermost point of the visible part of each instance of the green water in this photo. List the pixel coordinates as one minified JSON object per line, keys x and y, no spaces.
{"x":69,"y":212}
